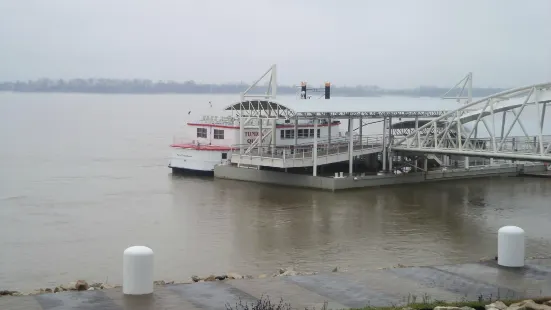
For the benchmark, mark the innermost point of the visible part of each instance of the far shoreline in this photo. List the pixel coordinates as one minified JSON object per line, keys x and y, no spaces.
{"x":202,"y":94}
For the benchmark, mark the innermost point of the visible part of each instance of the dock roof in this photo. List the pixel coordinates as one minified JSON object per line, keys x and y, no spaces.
{"x":343,"y":107}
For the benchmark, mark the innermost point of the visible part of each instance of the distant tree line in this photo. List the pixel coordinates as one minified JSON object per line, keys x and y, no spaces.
{"x":143,"y":86}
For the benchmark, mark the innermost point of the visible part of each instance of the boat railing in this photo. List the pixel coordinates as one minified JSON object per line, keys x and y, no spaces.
{"x":325,"y":148}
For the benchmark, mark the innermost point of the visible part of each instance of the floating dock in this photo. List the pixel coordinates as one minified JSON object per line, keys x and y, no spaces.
{"x":359,"y":181}
{"x":414,"y":146}
{"x":389,"y":287}
{"x":544,"y":174}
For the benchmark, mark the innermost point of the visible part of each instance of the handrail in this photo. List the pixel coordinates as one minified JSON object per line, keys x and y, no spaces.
{"x":521,"y":144}
{"x":304,"y":152}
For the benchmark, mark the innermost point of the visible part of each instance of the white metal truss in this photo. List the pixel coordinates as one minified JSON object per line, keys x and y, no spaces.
{"x":259,"y":141}
{"x":272,"y":85}
{"x":466,"y":84}
{"x":465,"y":127}
{"x":369,"y":114}
{"x":260,"y":108}
{"x":267,"y":106}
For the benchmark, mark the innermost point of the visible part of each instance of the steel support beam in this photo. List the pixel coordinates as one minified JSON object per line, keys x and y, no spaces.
{"x":350,"y":147}
{"x":241,"y":135}
{"x":361,"y":131}
{"x":295,"y":128}
{"x":315,"y":149}
{"x":389,"y":143}
{"x":329,"y":132}
{"x":384,"y":144}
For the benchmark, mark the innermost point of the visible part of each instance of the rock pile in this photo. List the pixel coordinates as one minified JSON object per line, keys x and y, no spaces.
{"x":81,"y":285}
{"x":523,"y":305}
{"x":228,"y":276}
{"x":282,"y":272}
{"x":499,"y":305}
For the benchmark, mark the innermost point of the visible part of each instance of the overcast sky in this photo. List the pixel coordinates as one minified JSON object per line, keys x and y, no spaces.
{"x":388,"y":43}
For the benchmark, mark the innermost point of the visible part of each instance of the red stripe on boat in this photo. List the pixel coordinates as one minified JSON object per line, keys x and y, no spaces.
{"x":203,"y":147}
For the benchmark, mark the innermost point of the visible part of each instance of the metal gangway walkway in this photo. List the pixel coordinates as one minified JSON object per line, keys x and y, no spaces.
{"x":508,"y":125}
{"x":302,"y":155}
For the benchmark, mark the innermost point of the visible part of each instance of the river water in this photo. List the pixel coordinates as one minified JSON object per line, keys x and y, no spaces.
{"x":82,"y":177}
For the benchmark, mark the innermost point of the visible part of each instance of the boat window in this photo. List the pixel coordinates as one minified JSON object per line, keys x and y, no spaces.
{"x":311,"y":133}
{"x":318,"y":133}
{"x":201,"y":132}
{"x":303,"y":133}
{"x":289,"y":134}
{"x":224,"y":155}
{"x":218,"y":134}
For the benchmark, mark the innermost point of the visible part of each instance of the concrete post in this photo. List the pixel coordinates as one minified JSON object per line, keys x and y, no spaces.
{"x":426,"y":164}
{"x":315,"y":149}
{"x":510,"y":246}
{"x":390,"y":159}
{"x":350,"y":146}
{"x":137,"y":271}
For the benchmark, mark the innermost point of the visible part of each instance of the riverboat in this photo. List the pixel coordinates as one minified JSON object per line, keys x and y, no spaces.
{"x":211,"y":140}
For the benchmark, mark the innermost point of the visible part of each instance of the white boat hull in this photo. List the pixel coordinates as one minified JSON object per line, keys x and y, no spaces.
{"x":196,"y":160}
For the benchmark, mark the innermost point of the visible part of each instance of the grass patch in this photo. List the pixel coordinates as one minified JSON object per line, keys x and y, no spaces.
{"x":430,"y":305}
{"x":263,"y":303}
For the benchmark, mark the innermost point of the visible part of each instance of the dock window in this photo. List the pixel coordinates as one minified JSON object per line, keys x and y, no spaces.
{"x":218,"y":134}
{"x":201,"y":132}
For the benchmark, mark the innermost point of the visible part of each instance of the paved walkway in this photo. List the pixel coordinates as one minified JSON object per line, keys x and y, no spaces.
{"x":340,"y":290}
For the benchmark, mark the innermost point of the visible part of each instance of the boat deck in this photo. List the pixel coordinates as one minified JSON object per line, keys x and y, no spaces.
{"x":340,"y":290}
{"x":303,"y":155}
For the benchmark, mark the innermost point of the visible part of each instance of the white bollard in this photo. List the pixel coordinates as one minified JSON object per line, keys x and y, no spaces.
{"x":342,"y":174}
{"x":336,"y":175}
{"x":137,"y":277}
{"x":510,"y":246}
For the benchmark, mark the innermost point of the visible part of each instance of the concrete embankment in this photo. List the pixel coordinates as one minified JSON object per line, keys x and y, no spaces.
{"x":333,"y":184}
{"x":385,"y":287}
